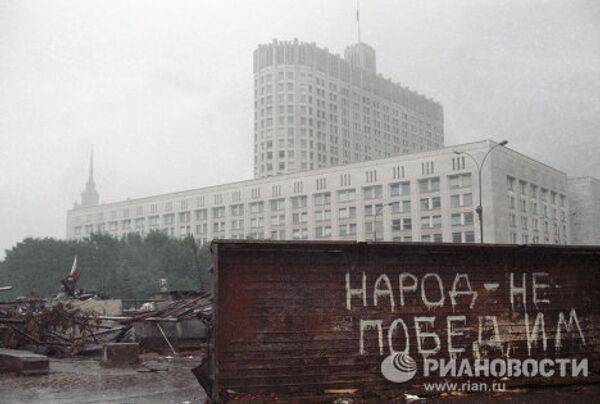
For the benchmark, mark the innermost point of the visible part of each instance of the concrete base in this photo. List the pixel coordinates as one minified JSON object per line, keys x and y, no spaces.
{"x":189,"y":334}
{"x":119,"y":354}
{"x":23,"y":362}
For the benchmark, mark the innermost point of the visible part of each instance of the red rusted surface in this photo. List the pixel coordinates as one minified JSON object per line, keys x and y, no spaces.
{"x":283,"y":327}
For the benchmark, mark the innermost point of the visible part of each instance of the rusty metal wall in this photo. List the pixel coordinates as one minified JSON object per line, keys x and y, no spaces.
{"x":289,"y":315}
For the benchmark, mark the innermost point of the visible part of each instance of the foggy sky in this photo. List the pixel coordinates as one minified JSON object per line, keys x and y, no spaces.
{"x":163,"y":90}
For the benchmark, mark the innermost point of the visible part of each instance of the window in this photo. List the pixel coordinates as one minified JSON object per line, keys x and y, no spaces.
{"x":299,"y":218}
{"x":372,"y":210}
{"x":298,"y":202}
{"x":348,"y":229}
{"x":277,"y":204}
{"x":322,"y":231}
{"x":201,"y":214}
{"x":373,"y":192}
{"x":533,"y":207}
{"x":401,"y":207}
{"x":434,"y":221}
{"x":237,"y":224}
{"x":460,"y":200}
{"x":522,"y":187}
{"x":301,"y":233}
{"x":278,"y":235}
{"x":169,"y":219}
{"x":256,"y":207}
{"x":237,"y":210}
{"x":347,"y":213}
{"x":277,"y":220}
{"x":430,"y":203}
{"x":429,"y":185}
{"x":510,"y":183}
{"x":345,"y":180}
{"x":400,"y":188}
{"x":511,"y":201}
{"x":374,"y":227}
{"x":184,"y":217}
{"x":322,"y":199}
{"x":401,"y":224}
{"x":459,"y":181}
{"x":468,"y":216}
{"x":321,"y":215}
{"x":427,"y":167}
{"x":533,"y":191}
{"x":398,"y":172}
{"x":462,"y":219}
{"x":276,"y":190}
{"x":523,"y":205}
{"x":458,"y":163}
{"x":218,"y":212}
{"x":456,"y":219}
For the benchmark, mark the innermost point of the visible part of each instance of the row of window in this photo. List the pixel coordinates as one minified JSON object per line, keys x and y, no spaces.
{"x":370,"y":192}
{"x":535,"y":191}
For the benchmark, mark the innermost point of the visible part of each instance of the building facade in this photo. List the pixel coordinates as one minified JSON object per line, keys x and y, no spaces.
{"x":426,"y":196}
{"x":584,"y":193}
{"x":314,"y":109}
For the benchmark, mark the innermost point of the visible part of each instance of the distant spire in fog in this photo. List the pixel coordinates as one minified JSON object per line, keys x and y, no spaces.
{"x":90,"y":196}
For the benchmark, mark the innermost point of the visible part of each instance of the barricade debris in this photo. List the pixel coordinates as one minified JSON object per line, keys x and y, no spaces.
{"x":71,"y":327}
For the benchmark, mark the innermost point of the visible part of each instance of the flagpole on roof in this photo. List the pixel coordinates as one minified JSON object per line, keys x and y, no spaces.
{"x":358,"y":17}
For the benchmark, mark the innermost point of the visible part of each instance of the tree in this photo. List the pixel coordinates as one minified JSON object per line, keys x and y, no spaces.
{"x":129,"y":267}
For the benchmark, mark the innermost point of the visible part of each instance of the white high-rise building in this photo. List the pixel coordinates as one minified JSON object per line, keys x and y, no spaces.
{"x":314,"y":109}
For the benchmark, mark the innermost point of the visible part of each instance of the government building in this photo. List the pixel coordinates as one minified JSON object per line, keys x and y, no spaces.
{"x":426,"y":196}
{"x":314,"y":109}
{"x":341,"y":153}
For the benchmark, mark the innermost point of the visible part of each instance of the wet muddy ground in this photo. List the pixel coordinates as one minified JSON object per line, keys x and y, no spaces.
{"x":157,"y":379}
{"x":164,"y":379}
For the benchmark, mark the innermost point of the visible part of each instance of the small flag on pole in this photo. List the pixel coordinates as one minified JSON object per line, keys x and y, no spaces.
{"x":74,"y":268}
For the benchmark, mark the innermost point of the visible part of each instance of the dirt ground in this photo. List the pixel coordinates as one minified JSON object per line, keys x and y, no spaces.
{"x":163,"y":379}
{"x":83,"y":380}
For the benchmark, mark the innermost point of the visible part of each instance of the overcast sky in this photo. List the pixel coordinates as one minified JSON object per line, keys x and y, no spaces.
{"x":163,"y":90}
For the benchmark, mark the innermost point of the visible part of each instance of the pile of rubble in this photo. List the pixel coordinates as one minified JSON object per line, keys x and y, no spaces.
{"x":59,"y":328}
{"x":55,"y":327}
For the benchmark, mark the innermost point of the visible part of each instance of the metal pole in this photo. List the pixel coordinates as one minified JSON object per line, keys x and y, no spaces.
{"x":479,"y":208}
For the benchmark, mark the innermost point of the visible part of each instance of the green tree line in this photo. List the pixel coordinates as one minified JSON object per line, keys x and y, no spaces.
{"x":126,"y":268}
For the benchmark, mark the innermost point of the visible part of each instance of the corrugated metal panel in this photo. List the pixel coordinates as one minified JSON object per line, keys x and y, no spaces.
{"x":289,"y":315}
